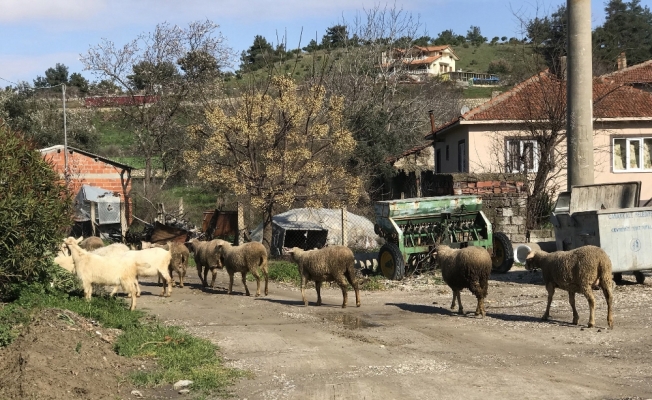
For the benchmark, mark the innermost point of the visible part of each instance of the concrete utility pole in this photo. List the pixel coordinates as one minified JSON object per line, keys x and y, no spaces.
{"x":579,"y":94}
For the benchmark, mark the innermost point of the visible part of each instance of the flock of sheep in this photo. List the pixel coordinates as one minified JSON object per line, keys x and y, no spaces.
{"x":575,"y":271}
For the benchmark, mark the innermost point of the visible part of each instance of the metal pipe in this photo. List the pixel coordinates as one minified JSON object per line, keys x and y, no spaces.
{"x":579,"y":94}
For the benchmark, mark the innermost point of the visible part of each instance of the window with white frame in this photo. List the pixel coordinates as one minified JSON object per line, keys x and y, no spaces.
{"x":521,"y":155}
{"x":632,"y":154}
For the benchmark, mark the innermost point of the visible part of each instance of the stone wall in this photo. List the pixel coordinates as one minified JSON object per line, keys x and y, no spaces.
{"x":504,"y":199}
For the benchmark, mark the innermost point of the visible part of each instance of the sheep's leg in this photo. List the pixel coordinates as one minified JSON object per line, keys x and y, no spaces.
{"x":137,"y":289}
{"x":454,"y":299}
{"x":257,"y":276}
{"x":203,"y":280}
{"x":588,"y":293}
{"x":341,"y":282}
{"x":350,"y":276}
{"x":182,"y":274}
{"x":304,"y":281}
{"x":571,"y":300}
{"x":230,"y":282}
{"x":459,"y":302}
{"x":606,"y":290}
{"x":214,"y":272}
{"x":265,"y":272}
{"x":551,"y":292}
{"x":318,"y":288}
{"x":476,"y":289}
{"x":114,"y":291}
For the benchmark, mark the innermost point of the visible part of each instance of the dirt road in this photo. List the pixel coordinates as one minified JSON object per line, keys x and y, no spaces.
{"x":404,"y":343}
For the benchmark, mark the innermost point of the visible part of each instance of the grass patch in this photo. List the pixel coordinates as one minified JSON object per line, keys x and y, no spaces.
{"x":178,"y":355}
{"x":112,"y":134}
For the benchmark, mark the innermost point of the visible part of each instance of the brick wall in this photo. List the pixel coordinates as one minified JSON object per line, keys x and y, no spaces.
{"x":90,"y":171}
{"x":504,"y":199}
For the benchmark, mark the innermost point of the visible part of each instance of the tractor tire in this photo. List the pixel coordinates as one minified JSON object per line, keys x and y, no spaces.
{"x":618,"y":278}
{"x":503,"y":258}
{"x":640,"y":277}
{"x":391,"y":262}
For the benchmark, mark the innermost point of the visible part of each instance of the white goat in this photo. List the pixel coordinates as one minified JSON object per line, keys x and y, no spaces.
{"x":92,"y":268}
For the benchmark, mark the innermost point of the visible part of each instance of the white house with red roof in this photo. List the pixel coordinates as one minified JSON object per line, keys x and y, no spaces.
{"x":422,"y":60}
{"x":497,"y":135}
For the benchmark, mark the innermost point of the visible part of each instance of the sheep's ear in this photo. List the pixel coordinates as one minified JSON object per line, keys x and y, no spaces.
{"x":80,"y":239}
{"x":530,"y":255}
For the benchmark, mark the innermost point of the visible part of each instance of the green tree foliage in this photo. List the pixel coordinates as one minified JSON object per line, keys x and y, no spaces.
{"x":258,"y":55}
{"x":449,"y":37}
{"x":35,"y":213}
{"x":474,"y":36}
{"x":336,"y":36}
{"x":78,"y":82}
{"x":104,"y":87}
{"x":549,"y":35}
{"x":148,"y":75}
{"x":312,"y":46}
{"x":53,"y":76}
{"x":499,"y":66}
{"x":627,"y":28}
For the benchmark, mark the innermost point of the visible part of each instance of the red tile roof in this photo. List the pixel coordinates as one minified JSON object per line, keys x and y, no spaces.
{"x":543,"y":94}
{"x":426,"y":60}
{"x":406,"y":153}
{"x":639,"y":73}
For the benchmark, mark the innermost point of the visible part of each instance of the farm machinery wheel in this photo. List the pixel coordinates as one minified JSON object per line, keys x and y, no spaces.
{"x":503,"y":258}
{"x":391,"y":262}
{"x":640,"y":277}
{"x":618,"y":277}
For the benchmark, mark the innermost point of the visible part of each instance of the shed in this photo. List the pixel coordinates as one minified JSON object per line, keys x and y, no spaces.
{"x":303,"y":234}
{"x":97,"y":211}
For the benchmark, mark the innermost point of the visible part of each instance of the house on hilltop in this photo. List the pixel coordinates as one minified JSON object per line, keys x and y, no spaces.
{"x":498,"y":136}
{"x":421,"y":60}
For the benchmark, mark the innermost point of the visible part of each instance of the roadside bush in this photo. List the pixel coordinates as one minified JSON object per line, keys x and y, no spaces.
{"x":35,"y":213}
{"x":500,"y":66}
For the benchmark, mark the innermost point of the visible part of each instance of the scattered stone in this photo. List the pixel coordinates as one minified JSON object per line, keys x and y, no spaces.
{"x":136,"y":393}
{"x":184,"y":391}
{"x":184,"y":383}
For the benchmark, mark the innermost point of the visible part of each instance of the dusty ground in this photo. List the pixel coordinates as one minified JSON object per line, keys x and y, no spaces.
{"x":404,"y":343}
{"x":64,"y":356}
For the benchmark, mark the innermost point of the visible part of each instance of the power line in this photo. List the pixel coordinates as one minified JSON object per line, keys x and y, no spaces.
{"x":32,"y":88}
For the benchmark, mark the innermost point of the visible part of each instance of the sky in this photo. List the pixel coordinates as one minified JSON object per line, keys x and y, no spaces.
{"x":37,"y":34}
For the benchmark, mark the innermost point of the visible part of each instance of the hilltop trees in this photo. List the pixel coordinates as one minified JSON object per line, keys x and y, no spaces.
{"x":627,"y":28}
{"x":175,"y":69}
{"x":280,"y":146}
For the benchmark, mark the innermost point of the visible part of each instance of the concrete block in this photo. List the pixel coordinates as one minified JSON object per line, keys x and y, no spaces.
{"x":508,"y":212}
{"x":517,"y":220}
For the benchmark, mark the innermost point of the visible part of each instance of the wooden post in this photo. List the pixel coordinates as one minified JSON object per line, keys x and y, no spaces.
{"x":93,"y":205}
{"x":123,"y":217}
{"x":345,"y":238}
{"x":180,"y":207}
{"x":160,"y":213}
{"x":418,"y":181}
{"x":241,"y":225}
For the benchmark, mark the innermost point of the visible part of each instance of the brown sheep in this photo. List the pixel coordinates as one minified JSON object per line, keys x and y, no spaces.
{"x":248,"y":257}
{"x":575,"y":271}
{"x":468,"y":268}
{"x":179,"y":260}
{"x":91,"y":243}
{"x":332,"y":263}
